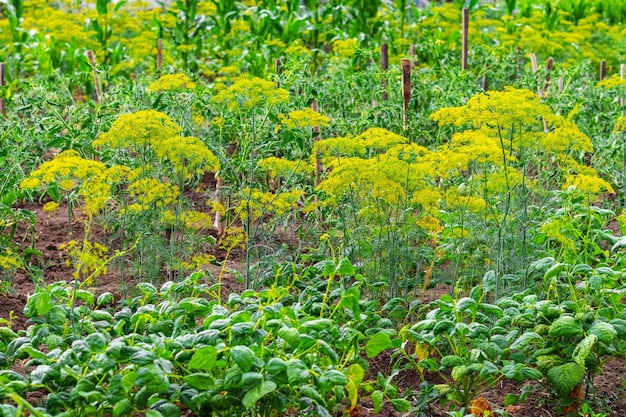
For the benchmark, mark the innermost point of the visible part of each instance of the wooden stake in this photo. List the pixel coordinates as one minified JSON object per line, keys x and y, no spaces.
{"x":96,"y":81}
{"x":485,"y":83}
{"x":219,"y":222}
{"x":602,"y":70}
{"x":159,"y":57}
{"x":384,"y":64}
{"x":549,"y":67}
{"x":622,"y":75}
{"x":406,"y":89}
{"x":318,"y":158}
{"x":465,"y":49}
{"x":3,"y":82}
{"x":533,"y":63}
{"x":413,"y":55}
{"x":279,"y":71}
{"x":561,"y":83}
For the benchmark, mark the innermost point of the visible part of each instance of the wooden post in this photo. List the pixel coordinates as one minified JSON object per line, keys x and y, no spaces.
{"x":219,"y":222}
{"x":413,"y":55}
{"x":279,"y":71}
{"x":602,"y":70}
{"x":485,"y":83}
{"x":549,"y":67}
{"x":406,"y":89}
{"x":622,"y":75}
{"x":465,"y":47}
{"x":92,"y":62}
{"x":384,"y":64}
{"x":318,"y":158}
{"x":3,"y":82}
{"x":159,"y":57}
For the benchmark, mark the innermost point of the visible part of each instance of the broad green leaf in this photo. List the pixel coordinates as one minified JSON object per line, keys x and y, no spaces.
{"x":318,"y":324}
{"x":122,"y":408}
{"x":331,"y":378}
{"x":153,"y":413}
{"x":200,"y":381}
{"x":345,"y":268}
{"x":564,"y":378}
{"x":243,"y":356}
{"x":379,"y":342}
{"x":400,"y":404}
{"x":204,"y":359}
{"x":451,"y":361}
{"x":105,"y":298}
{"x":290,"y":335}
{"x":251,"y":379}
{"x":582,"y":350}
{"x":258,"y":392}
{"x":377,"y":401}
{"x":97,"y":342}
{"x":605,"y":332}
{"x":275,"y":366}
{"x":553,"y":271}
{"x":545,"y":362}
{"x":531,"y":373}
{"x":296,"y":372}
{"x":524,"y":340}
{"x":565,"y":326}
{"x":39,"y":304}
{"x":310,"y":392}
{"x":459,"y":371}
{"x":466,"y":303}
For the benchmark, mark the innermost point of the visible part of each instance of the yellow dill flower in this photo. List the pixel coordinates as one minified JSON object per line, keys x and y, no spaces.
{"x":614,"y":81}
{"x":137,"y":130}
{"x":379,"y":139}
{"x":172,"y":82}
{"x":50,"y":206}
{"x":188,"y":155}
{"x":304,"y":118}
{"x":149,"y":191}
{"x":280,"y":167}
{"x":345,"y":48}
{"x":496,"y":108}
{"x":429,"y":198}
{"x":430,"y":224}
{"x":588,"y":184}
{"x":620,"y":125}
{"x":229,"y":71}
{"x":198,"y":120}
{"x":9,"y":260}
{"x":455,"y":200}
{"x":339,"y":146}
{"x":258,"y":202}
{"x":119,"y":173}
{"x":555,"y":230}
{"x":250,"y":93}
{"x":566,"y":138}
{"x":68,"y":166}
{"x":197,"y":220}
{"x":219,"y":122}
{"x":87,"y":258}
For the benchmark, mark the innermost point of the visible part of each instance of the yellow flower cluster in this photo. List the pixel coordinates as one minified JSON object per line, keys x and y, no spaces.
{"x":304,"y":118}
{"x":374,"y":139}
{"x":138,"y":130}
{"x":87,"y":258}
{"x":150,"y":192}
{"x":188,"y":155}
{"x":10,"y":260}
{"x":591,"y":185}
{"x":67,"y":165}
{"x":345,"y":48}
{"x":280,"y":167}
{"x":197,"y":220}
{"x":612,"y":82}
{"x":172,"y":82}
{"x":251,"y":93}
{"x":259,"y":203}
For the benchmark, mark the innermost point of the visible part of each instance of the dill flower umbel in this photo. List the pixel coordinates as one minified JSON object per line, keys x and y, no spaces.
{"x":172,"y":82}
{"x":188,"y":155}
{"x":137,"y":130}
{"x":250,"y":93}
{"x":304,"y":118}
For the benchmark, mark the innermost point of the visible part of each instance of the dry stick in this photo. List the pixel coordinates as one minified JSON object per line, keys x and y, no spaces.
{"x":384,"y":64}
{"x":92,"y":62}
{"x":622,"y":75}
{"x":465,"y":39}
{"x":159,"y":56}
{"x":549,"y":67}
{"x":3,"y":82}
{"x":279,"y":71}
{"x":602,"y":70}
{"x":318,"y":158}
{"x":219,"y":222}
{"x":413,"y":55}
{"x":540,"y":92}
{"x":406,"y":89}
